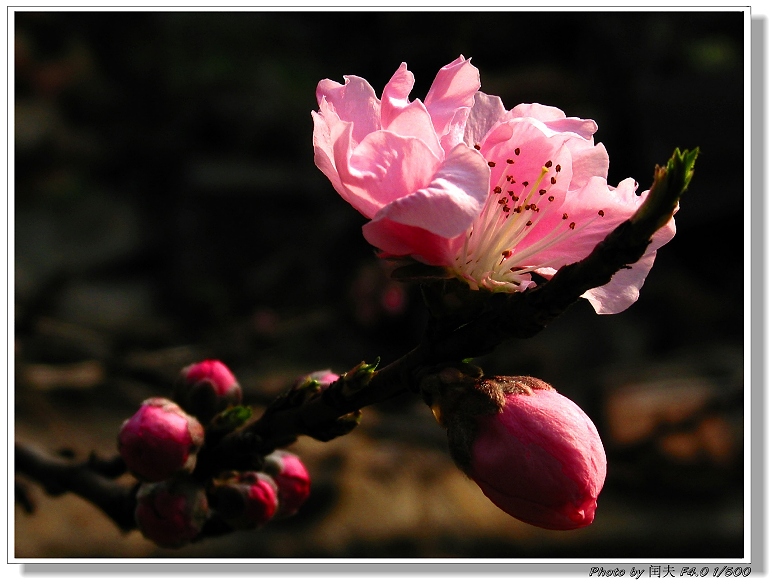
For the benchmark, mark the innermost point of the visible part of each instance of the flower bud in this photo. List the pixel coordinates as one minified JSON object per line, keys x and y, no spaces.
{"x":292,"y":478}
{"x":322,"y":377}
{"x":159,"y":440}
{"x":171,"y":513}
{"x":207,"y":388}
{"x":248,"y":500}
{"x":540,"y":458}
{"x":533,"y":452}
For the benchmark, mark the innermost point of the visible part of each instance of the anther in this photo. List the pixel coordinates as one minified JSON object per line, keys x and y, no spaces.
{"x":557,"y":168}
{"x":548,"y":164}
{"x":517,"y":151}
{"x":497,"y":189}
{"x":571,"y":226}
{"x":509,"y":161}
{"x":491,"y":163}
{"x":553,"y":180}
{"x":477,"y":146}
{"x":601,"y":212}
{"x":565,"y":216}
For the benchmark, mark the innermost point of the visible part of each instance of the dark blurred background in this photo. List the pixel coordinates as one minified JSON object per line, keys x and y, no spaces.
{"x":167,"y":209}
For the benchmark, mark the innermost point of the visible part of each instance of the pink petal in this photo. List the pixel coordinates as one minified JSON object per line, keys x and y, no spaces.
{"x":453,"y":88}
{"x":395,"y":96}
{"x":324,"y":137}
{"x":623,"y":290}
{"x":537,"y":112}
{"x":487,"y":111}
{"x":355,"y":101}
{"x":456,"y":129}
{"x":583,"y":128}
{"x":582,"y":208}
{"x":395,"y":239}
{"x":385,"y":167}
{"x":587,"y":161}
{"x":451,"y":201}
{"x":415,"y":121}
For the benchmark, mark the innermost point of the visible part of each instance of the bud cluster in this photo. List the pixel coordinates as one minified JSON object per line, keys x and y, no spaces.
{"x":160,"y":445}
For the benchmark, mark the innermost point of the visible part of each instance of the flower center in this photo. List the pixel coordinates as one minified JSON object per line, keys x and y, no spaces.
{"x":492,"y":255}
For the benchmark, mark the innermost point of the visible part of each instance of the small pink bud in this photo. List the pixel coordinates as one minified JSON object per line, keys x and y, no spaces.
{"x":207,"y":388}
{"x":247,"y":500}
{"x":540,"y":459}
{"x":322,"y":377}
{"x":171,"y":513}
{"x":292,"y":478}
{"x":159,"y":440}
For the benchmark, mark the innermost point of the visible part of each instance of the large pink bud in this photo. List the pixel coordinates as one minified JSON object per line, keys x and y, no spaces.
{"x":247,"y":500}
{"x":540,"y":458}
{"x":292,"y":478}
{"x":207,"y":388}
{"x":171,"y":513}
{"x":159,"y":440}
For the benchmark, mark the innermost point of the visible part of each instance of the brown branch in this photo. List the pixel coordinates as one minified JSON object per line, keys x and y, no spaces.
{"x":58,"y":476}
{"x":475,"y":327}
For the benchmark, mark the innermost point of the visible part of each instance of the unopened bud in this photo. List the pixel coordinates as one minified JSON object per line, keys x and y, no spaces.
{"x":207,"y":388}
{"x":171,"y":513}
{"x":159,"y":440}
{"x":248,"y":500}
{"x":538,"y":457}
{"x":322,"y":378}
{"x":359,"y":377}
{"x":292,"y":478}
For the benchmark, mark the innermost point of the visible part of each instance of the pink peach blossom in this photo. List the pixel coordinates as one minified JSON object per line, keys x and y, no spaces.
{"x":458,"y":181}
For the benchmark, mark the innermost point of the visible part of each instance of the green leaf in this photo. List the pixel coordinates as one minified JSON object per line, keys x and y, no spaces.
{"x":231,"y":419}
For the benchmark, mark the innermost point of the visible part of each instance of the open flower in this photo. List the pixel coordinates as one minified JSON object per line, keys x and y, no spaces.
{"x":460,"y":182}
